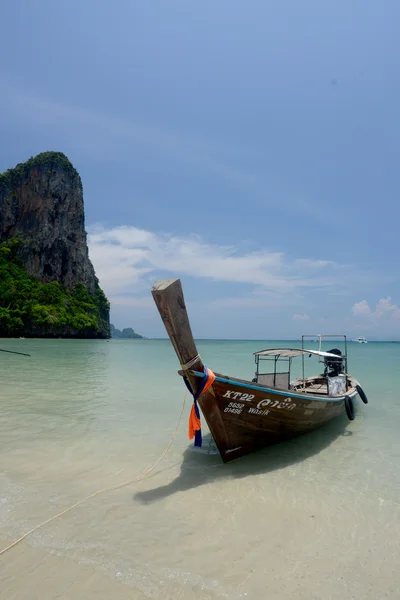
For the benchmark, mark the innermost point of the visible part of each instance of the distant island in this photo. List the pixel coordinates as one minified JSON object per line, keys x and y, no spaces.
{"x":126,"y":334}
{"x":48,"y":286}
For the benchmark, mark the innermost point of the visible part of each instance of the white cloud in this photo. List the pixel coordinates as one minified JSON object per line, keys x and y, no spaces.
{"x":127,"y":259}
{"x":307,"y":263}
{"x":385,"y":307}
{"x":384,"y":310}
{"x":133,"y":301}
{"x":300,"y":317}
{"x":258,"y":298}
{"x":361,"y":308}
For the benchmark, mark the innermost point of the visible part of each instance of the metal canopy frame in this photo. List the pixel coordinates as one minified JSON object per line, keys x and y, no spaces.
{"x":275,"y":358}
{"x":292,"y":353}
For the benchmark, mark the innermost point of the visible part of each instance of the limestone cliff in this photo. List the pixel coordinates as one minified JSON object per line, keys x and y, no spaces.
{"x":41,"y":204}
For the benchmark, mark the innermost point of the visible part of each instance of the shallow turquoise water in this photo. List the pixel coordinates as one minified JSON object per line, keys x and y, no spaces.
{"x":317,"y":517}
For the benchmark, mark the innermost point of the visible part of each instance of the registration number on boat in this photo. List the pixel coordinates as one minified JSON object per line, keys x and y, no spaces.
{"x":234,"y":408}
{"x":238,"y":396}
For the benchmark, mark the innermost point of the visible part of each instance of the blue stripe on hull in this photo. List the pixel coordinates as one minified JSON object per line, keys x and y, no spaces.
{"x":277,"y":392}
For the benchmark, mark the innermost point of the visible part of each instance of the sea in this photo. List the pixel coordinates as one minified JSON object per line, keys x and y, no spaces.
{"x":316,"y":518}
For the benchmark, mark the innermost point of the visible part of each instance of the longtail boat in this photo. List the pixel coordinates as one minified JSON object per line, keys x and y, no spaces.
{"x":244,"y":416}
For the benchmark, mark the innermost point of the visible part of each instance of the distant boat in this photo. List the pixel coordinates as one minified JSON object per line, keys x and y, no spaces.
{"x":244,"y":416}
{"x":361,"y":340}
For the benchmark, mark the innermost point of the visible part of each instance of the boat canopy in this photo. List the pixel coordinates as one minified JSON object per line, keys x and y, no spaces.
{"x":292,"y":352}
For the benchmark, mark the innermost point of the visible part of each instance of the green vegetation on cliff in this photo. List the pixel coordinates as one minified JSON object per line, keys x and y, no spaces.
{"x":13,"y":178}
{"x":45,"y":309}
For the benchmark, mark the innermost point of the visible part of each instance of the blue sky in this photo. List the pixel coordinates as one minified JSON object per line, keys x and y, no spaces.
{"x":249,"y":148}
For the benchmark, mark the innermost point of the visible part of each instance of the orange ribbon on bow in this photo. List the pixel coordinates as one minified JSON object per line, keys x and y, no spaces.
{"x":194,"y":417}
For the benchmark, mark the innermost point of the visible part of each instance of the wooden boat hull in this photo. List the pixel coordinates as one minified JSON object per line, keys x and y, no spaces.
{"x":244,"y":417}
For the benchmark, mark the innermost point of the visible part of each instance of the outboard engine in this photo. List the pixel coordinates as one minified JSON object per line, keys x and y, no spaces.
{"x":333,"y":366}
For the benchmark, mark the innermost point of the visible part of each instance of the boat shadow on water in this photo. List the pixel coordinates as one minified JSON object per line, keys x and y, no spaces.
{"x":202,"y":466}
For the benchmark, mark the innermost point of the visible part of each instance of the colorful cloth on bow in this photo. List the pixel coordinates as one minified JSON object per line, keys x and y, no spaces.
{"x":194,"y":428}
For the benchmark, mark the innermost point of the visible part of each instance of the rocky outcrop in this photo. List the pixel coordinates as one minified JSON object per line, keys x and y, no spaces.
{"x":41,"y":204}
{"x":126,"y":334}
